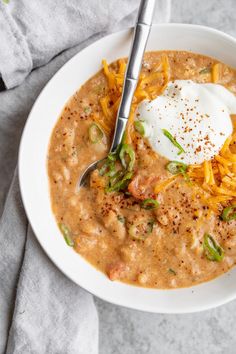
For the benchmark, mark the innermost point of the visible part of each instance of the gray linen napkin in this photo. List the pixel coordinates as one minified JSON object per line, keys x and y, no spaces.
{"x":34,"y":31}
{"x":51,"y":314}
{"x":41,"y":311}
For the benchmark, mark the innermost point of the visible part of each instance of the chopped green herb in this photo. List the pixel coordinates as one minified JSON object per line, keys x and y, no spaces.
{"x":176,"y":167}
{"x":116,"y":177}
{"x":119,"y":177}
{"x":67,"y":234}
{"x":121,"y":184}
{"x":121,"y":218}
{"x":108,"y":169}
{"x":214,"y":252}
{"x":127,"y":153}
{"x":229,"y":213}
{"x":172,"y":271}
{"x":112,"y":156}
{"x":6,"y":1}
{"x":139,"y":127}
{"x":109,"y":164}
{"x":150,"y":204}
{"x":205,"y":71}
{"x":173,"y":140}
{"x":95,"y":133}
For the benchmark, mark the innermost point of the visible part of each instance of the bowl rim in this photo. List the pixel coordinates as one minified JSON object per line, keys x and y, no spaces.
{"x":50,"y":254}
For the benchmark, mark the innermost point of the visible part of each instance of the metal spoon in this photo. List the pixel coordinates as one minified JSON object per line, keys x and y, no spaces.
{"x":141,"y":34}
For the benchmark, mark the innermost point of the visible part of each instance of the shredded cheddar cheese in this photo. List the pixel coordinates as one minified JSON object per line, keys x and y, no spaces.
{"x":102,"y":124}
{"x":212,"y":178}
{"x":160,"y":186}
{"x":217,"y":177}
{"x":166,"y":70}
{"x":110,"y":75}
{"x":224,"y":162}
{"x":215,"y":73}
{"x":206,"y":172}
{"x":226,"y":145}
{"x":148,"y":79}
{"x":122,"y":67}
{"x":104,"y":104}
{"x":147,"y":88}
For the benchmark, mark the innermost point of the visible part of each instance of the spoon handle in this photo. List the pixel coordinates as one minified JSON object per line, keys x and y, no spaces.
{"x":141,"y":34}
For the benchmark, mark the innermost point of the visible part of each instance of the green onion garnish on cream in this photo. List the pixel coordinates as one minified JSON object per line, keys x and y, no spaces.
{"x":173,"y":140}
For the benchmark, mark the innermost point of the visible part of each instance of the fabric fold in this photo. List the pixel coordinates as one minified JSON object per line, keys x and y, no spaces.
{"x":48,"y":302}
{"x":33,"y":32}
{"x":13,"y":229}
{"x":15,"y":59}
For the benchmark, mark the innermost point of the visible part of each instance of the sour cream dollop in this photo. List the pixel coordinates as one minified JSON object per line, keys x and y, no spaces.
{"x":196,"y":115}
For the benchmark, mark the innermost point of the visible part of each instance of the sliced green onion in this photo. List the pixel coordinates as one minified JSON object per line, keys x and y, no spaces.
{"x":214,"y":252}
{"x":67,"y":234}
{"x":139,"y":127}
{"x":121,"y":184}
{"x":95,"y":133}
{"x":122,"y":142}
{"x":121,"y":218}
{"x":229,"y":213}
{"x":150,"y":204}
{"x":176,"y":167}
{"x":119,"y":179}
{"x":136,"y":233}
{"x":205,"y":71}
{"x":116,"y":177}
{"x":107,"y":168}
{"x":127,"y":152}
{"x":140,"y":231}
{"x":112,"y":156}
{"x":173,"y":140}
{"x":172,"y":271}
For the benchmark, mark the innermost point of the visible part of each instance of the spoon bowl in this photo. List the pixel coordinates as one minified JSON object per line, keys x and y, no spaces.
{"x":83,"y":178}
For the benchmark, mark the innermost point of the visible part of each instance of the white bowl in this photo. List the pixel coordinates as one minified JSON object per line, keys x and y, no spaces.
{"x":34,"y":179}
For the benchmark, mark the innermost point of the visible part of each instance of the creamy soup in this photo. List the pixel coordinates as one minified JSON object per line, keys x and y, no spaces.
{"x":160,"y":212}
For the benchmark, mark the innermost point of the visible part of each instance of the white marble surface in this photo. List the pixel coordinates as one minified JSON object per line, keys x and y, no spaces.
{"x":124,"y":331}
